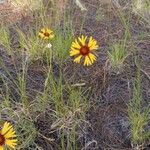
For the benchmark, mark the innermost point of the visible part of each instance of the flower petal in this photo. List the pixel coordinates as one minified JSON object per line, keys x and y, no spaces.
{"x":74,"y":52}
{"x":43,"y":30}
{"x":41,"y":35}
{"x":75,"y":44}
{"x":6,"y":128}
{"x":92,"y":44}
{"x":10,"y":134}
{"x":82,"y":40}
{"x":72,"y":48}
{"x":90,"y":41}
{"x":11,"y":143}
{"x":92,"y":57}
{"x":51,"y":36}
{"x":77,"y":60}
{"x":48,"y":30}
{"x":1,"y":148}
{"x":94,"y":47}
{"x":87,"y":61}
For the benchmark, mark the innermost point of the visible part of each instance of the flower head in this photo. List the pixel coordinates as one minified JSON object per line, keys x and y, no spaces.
{"x":49,"y":45}
{"x":7,"y":136}
{"x":81,"y":48}
{"x":46,"y":33}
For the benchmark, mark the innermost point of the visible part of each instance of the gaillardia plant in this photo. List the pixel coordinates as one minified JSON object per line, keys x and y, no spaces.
{"x":46,"y":34}
{"x":83,"y":48}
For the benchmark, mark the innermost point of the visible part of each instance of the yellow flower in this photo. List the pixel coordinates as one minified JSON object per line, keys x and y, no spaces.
{"x":7,"y":136}
{"x":46,"y":34}
{"x":81,"y":48}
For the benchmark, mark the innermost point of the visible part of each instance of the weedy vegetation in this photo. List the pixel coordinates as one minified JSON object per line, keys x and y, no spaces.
{"x":49,"y":111}
{"x":138,"y":116}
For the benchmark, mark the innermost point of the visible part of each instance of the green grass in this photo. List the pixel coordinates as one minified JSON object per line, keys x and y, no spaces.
{"x":120,"y":50}
{"x":138,"y":116}
{"x":117,"y":55}
{"x":31,"y":45}
{"x":5,"y":38}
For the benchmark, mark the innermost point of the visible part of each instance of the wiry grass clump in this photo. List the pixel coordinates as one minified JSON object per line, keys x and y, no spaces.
{"x":5,"y":38}
{"x":138,"y":116}
{"x":117,"y":55}
{"x":119,"y":51}
{"x":32,"y":45}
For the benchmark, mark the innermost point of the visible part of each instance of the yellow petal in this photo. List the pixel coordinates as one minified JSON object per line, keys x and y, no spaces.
{"x":10,"y":134}
{"x":93,"y":47}
{"x":51,"y":36}
{"x":92,"y":44}
{"x":82,"y":40}
{"x":72,"y":48}
{"x":45,"y":37}
{"x":41,"y":34}
{"x":74,"y":52}
{"x":48,"y":30}
{"x":43,"y":30}
{"x":1,"y":148}
{"x":87,"y":61}
{"x":77,"y":60}
{"x":90,"y":41}
{"x":6,"y":128}
{"x":75,"y":44}
{"x":11,"y":143}
{"x":92,"y":57}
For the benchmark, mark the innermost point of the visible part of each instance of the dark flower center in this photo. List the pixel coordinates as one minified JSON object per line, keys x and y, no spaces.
{"x":46,"y":34}
{"x":84,"y":50}
{"x":2,"y":140}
